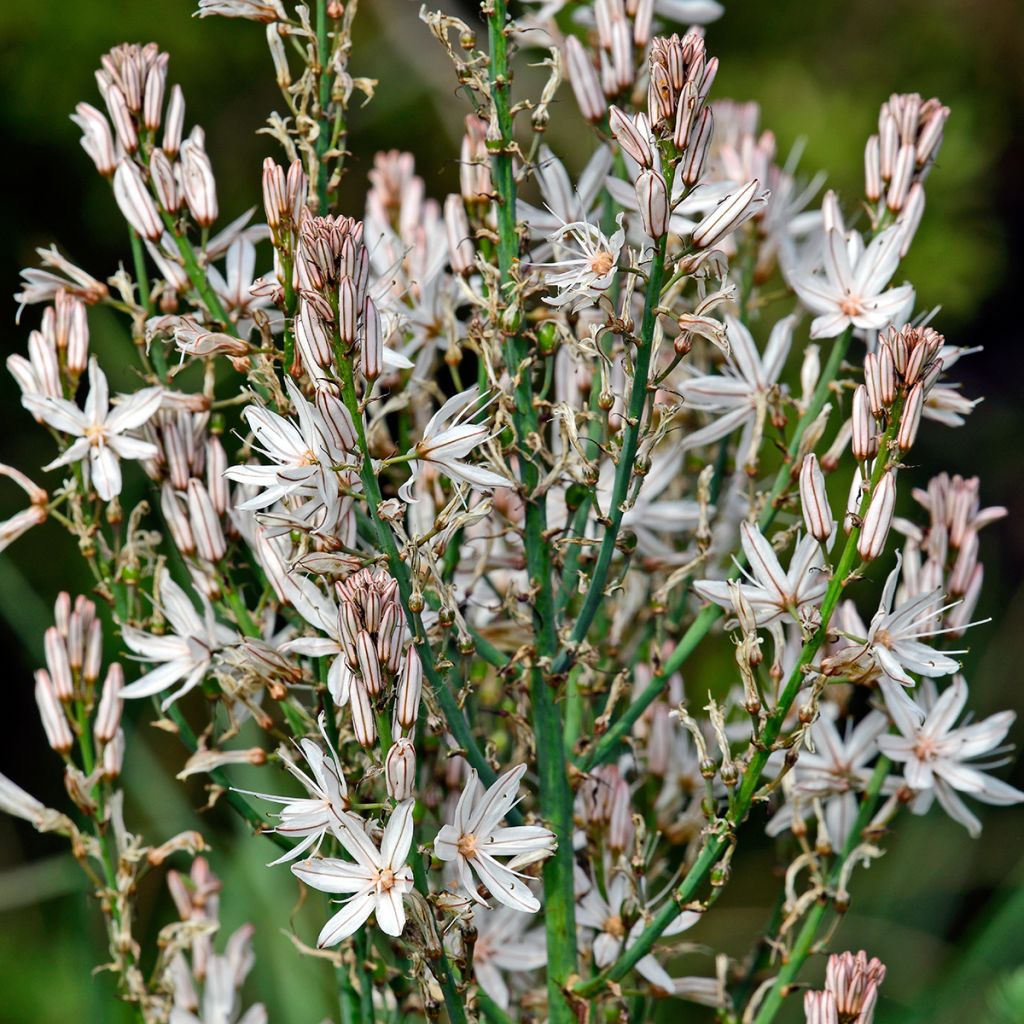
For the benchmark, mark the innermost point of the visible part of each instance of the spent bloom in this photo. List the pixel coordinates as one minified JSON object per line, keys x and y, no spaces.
{"x":475,"y":840}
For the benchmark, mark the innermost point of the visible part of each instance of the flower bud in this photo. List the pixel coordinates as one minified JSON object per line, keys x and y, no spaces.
{"x":586,"y":85}
{"x":363,"y":725}
{"x":697,"y":149}
{"x":313,"y":337}
{"x":864,"y":440}
{"x":174,"y":122}
{"x":336,"y":417}
{"x":910,"y":420}
{"x":653,"y":201}
{"x":902,"y":176}
{"x":460,"y":242}
{"x":875,"y":529}
{"x":176,"y":519}
{"x":205,"y":523}
{"x":632,"y":136}
{"x":216,"y":481}
{"x":113,"y":756}
{"x":198,"y":183}
{"x":368,"y":663}
{"x":93,"y":652}
{"x":410,"y":688}
{"x":153,"y":93}
{"x":371,"y":350}
{"x":400,"y":770}
{"x":135,"y":202}
{"x":58,"y":664}
{"x":164,"y":182}
{"x":108,"y":715}
{"x":872,"y":170}
{"x":814,"y":500}
{"x":347,"y":312}
{"x":730,"y":213}
{"x":97,"y":138}
{"x":51,"y":714}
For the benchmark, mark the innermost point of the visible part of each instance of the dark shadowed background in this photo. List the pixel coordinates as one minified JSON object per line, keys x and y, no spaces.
{"x":946,"y":912}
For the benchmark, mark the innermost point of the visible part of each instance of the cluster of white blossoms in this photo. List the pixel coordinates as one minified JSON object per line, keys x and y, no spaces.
{"x":437,"y":498}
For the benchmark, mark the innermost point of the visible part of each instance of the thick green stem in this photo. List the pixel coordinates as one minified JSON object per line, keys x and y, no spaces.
{"x":606,"y":746}
{"x":323,"y":139}
{"x":556,"y":798}
{"x":720,"y":836}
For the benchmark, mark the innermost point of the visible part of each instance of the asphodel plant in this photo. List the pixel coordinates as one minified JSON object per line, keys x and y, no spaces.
{"x":526,"y":533}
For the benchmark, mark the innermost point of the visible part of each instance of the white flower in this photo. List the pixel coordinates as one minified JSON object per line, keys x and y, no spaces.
{"x":935,"y":755}
{"x":608,"y":919}
{"x":474,"y":841}
{"x":741,"y":392}
{"x":310,"y":817}
{"x":772,"y":593}
{"x":100,"y":430}
{"x":304,"y":458}
{"x":504,"y":945}
{"x":852,"y":292}
{"x":446,"y":443}
{"x":185,"y":654}
{"x":589,"y":263}
{"x":376,"y":882}
{"x":834,"y":771}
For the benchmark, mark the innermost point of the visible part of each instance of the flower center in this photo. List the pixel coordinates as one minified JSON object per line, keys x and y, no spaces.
{"x":850,"y":305}
{"x":95,"y":432}
{"x":385,"y":880}
{"x":601,"y":262}
{"x":467,"y":846}
{"x":614,"y":927}
{"x":924,"y":749}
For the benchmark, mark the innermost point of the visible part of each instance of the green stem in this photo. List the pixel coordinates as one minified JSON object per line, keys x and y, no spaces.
{"x":141,"y":277}
{"x":197,"y":276}
{"x":627,"y":456}
{"x":721,"y":835}
{"x":323,"y":138}
{"x":556,"y":798}
{"x":607,"y":744}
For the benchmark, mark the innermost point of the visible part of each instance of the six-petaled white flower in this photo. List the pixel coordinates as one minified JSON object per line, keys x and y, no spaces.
{"x":475,"y":840}
{"x":376,"y":882}
{"x":101,"y":431}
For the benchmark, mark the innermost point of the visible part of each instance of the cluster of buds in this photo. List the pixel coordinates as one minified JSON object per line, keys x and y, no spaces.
{"x":945,"y":553}
{"x":58,"y":352}
{"x":378,"y":662}
{"x":898,"y":158}
{"x":333,"y":269}
{"x":73,"y":648}
{"x":850,"y":993}
{"x":147,"y":178}
{"x":623,"y":32}
{"x":194,"y":497}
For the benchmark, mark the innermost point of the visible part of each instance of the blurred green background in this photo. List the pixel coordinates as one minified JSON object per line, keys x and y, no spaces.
{"x":945,"y":912}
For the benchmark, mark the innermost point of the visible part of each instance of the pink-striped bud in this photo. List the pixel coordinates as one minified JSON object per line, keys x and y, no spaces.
{"x":910,"y":420}
{"x":97,"y":138}
{"x":622,"y":55}
{"x":93,"y":657}
{"x":58,"y":664}
{"x":174,"y":122}
{"x":363,"y":724}
{"x":368,"y":663}
{"x":153,"y":93}
{"x":652,"y":199}
{"x":206,"y":528}
{"x":875,"y":529}
{"x":135,"y":202}
{"x":687,"y":109}
{"x":275,"y":198}
{"x":371,"y":350}
{"x":108,"y":715}
{"x":964,"y":566}
{"x":336,"y":416}
{"x":814,"y":500}
{"x":198,"y":183}
{"x":165,"y":183}
{"x":902,"y":176}
{"x":216,"y":481}
{"x":51,"y":714}
{"x":583,"y":78}
{"x":176,"y":519}
{"x":120,"y":115}
{"x":400,"y":770}
{"x":697,"y":149}
{"x":820,"y":1008}
{"x":643,"y":16}
{"x":872,"y":170}
{"x":632,"y":136}
{"x":113,"y":756}
{"x":313,"y":337}
{"x":410,"y":689}
{"x":730,"y":213}
{"x":347,"y":311}
{"x":864,"y":440}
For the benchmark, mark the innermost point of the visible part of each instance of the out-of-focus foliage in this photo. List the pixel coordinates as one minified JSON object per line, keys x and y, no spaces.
{"x":946,"y":912}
